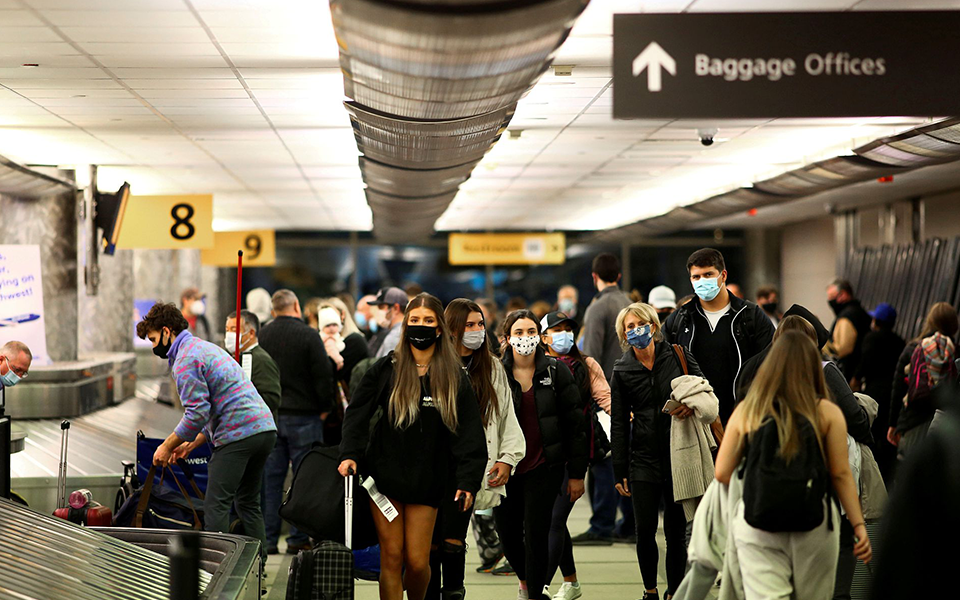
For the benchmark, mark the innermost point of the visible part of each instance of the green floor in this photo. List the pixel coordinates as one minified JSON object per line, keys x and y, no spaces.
{"x":607,"y":572}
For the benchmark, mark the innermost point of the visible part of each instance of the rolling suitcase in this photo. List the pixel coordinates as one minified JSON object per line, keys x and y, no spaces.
{"x":81,"y":510}
{"x":326,"y":572}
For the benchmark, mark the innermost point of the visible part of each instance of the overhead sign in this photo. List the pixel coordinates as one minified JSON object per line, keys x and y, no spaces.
{"x":507,"y":248}
{"x":168,"y":222}
{"x":259,"y":249}
{"x":21,"y":300}
{"x":766,"y":65}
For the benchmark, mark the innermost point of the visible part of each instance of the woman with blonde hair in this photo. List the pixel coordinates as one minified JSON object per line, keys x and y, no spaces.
{"x":794,"y":443}
{"x":645,"y":458}
{"x":429,"y":417}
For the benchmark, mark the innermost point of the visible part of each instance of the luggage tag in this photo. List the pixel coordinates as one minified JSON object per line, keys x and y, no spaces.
{"x":383,"y":503}
{"x":246,"y":363}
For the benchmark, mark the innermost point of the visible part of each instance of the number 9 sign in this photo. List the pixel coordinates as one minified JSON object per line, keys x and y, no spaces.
{"x":259,"y":249}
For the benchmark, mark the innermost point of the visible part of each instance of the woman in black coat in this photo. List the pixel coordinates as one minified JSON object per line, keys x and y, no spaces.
{"x":548,"y":406}
{"x":641,"y":462}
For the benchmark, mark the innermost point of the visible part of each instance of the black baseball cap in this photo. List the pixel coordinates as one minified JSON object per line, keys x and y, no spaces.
{"x":552,"y":319}
{"x":391,"y":296}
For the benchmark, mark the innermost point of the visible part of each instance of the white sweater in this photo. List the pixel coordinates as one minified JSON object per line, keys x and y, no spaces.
{"x":691,"y":441}
{"x":505,"y":441}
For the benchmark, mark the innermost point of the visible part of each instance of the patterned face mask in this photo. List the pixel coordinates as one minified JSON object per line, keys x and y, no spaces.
{"x":525,"y":345}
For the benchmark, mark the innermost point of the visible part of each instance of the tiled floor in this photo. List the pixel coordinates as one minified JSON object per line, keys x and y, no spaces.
{"x":605,"y":572}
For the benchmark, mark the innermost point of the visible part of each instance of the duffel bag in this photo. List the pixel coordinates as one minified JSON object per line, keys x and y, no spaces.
{"x":314,"y":503}
{"x":193,"y":468}
{"x":159,"y":507}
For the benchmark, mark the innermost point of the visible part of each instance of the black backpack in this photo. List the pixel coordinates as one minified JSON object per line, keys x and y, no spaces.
{"x":781,"y":496}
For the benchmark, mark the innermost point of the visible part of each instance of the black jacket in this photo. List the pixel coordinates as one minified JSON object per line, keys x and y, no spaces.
{"x":853,"y":312}
{"x":559,"y":409}
{"x":878,"y":362}
{"x":411,"y":465}
{"x":858,"y":423}
{"x":637,"y":391}
{"x":354,"y":351}
{"x":306,"y":374}
{"x":905,"y":418}
{"x":751,"y":332}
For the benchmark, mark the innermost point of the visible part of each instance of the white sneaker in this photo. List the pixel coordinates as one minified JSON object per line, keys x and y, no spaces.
{"x":568,"y":591}
{"x":523,"y":594}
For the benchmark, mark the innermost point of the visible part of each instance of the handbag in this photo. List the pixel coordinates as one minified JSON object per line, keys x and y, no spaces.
{"x":717,"y":426}
{"x":156,"y":506}
{"x":194,"y":469}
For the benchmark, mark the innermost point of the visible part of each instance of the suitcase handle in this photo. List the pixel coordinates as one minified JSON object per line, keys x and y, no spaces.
{"x":145,"y":498}
{"x":348,"y":511}
{"x":62,"y":473}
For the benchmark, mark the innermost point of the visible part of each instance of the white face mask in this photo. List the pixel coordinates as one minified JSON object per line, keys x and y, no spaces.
{"x":230,"y":341}
{"x":472,"y":340}
{"x":525,"y":345}
{"x":198,"y":308}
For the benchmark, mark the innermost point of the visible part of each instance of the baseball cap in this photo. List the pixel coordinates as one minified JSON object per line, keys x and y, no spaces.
{"x":884,"y":313}
{"x":552,"y":319}
{"x":662,"y":297}
{"x":391,"y":296}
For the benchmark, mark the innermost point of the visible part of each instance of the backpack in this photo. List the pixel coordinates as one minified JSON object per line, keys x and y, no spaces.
{"x":781,"y":496}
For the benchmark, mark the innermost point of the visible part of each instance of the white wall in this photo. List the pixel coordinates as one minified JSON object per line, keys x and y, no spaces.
{"x":808,"y":261}
{"x":942,"y":216}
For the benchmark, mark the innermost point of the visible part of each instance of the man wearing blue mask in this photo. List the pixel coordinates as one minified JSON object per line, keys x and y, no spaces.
{"x":721,"y":329}
{"x":568,"y":302}
{"x":15,"y":359}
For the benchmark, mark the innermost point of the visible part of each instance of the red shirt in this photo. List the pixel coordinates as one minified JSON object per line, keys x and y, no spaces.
{"x":530,"y":424}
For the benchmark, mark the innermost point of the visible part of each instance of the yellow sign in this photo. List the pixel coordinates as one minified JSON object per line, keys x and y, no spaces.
{"x":259,"y":249}
{"x":507,"y":248}
{"x":168,"y":222}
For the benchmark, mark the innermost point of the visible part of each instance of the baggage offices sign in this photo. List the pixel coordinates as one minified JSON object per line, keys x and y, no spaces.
{"x":506,"y":248}
{"x":259,"y":249}
{"x":761,"y":65}
{"x":21,"y":300}
{"x":168,"y":222}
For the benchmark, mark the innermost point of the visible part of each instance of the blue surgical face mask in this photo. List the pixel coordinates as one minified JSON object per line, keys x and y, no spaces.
{"x":566,"y":305}
{"x":9,"y":379}
{"x":562,"y":342}
{"x":361,"y":319}
{"x":640,"y":337}
{"x":707,"y":288}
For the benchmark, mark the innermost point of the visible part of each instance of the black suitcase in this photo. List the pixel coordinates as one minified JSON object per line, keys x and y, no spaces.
{"x":326,"y":572}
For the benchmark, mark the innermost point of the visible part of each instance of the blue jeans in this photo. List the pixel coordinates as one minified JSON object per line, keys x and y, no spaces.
{"x":295,"y":436}
{"x":603,"y":499}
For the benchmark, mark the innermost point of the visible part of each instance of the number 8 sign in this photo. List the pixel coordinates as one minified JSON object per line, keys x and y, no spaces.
{"x":168,"y":222}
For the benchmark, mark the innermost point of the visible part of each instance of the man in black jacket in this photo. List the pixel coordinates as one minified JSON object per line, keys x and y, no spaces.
{"x":308,"y":393}
{"x":850,"y":328}
{"x":720,"y":329}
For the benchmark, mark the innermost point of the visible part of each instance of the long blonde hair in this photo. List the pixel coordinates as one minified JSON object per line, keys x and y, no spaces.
{"x":445,"y":372}
{"x":789,"y":384}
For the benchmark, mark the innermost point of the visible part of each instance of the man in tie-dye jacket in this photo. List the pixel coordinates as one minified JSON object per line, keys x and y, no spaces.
{"x":220,"y":406}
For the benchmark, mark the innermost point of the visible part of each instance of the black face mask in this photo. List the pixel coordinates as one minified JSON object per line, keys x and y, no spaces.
{"x":769,"y":307}
{"x":162,"y":349}
{"x":836,"y":306}
{"x":421,"y":337}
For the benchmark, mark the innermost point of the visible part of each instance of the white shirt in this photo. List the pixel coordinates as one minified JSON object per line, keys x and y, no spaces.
{"x":713,"y":317}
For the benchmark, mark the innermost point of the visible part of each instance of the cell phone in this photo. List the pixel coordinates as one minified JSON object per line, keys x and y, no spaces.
{"x":462,"y":503}
{"x":671,"y":406}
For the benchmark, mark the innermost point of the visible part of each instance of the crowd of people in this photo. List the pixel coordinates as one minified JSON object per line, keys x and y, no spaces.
{"x":765,"y":440}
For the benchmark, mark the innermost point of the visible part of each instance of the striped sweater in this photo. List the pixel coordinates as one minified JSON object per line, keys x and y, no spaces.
{"x":217,"y":397}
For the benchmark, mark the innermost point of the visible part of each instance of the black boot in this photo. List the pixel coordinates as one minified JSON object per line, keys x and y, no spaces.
{"x":454,"y":595}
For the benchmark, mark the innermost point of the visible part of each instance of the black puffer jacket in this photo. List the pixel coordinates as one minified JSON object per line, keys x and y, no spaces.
{"x":636,"y":390}
{"x":560,"y":412}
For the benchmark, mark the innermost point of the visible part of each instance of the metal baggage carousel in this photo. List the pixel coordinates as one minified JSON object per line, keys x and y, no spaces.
{"x":45,"y":558}
{"x":99,"y":441}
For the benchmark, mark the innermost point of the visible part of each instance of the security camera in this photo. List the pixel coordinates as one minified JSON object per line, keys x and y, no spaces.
{"x":707,"y":135}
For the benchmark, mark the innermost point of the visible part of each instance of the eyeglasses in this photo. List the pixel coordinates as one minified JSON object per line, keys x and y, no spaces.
{"x":21,"y":373}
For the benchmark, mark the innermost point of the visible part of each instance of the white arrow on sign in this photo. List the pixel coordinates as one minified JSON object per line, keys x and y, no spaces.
{"x":653,"y":59}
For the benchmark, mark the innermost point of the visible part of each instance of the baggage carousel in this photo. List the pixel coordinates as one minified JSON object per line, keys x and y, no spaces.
{"x":45,"y":558}
{"x":99,"y":441}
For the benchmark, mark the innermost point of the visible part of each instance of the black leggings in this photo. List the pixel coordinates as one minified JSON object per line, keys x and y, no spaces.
{"x":561,"y":548}
{"x":523,"y":522}
{"x":447,"y":561}
{"x":646,"y":508}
